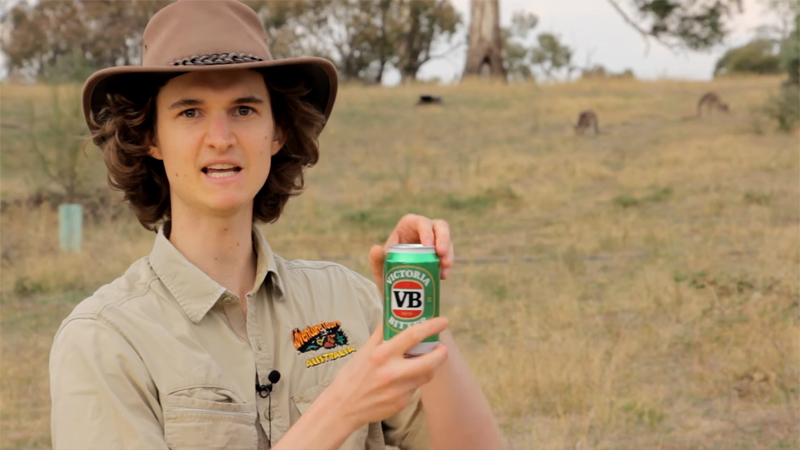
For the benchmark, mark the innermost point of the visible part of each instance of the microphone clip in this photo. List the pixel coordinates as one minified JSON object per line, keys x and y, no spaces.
{"x":264,"y":390}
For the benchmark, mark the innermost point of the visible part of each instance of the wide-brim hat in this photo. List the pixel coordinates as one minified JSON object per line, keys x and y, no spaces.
{"x":202,"y":35}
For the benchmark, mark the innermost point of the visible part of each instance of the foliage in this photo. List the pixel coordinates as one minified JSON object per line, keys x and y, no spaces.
{"x":759,"y":56}
{"x":523,"y":59}
{"x":425,"y":21}
{"x":784,"y":108}
{"x":598,"y":71}
{"x":551,"y":55}
{"x":689,"y":24}
{"x":693,"y":24}
{"x":54,"y":139}
{"x":783,"y":14}
{"x":67,"y":40}
{"x":790,"y":52}
{"x":516,"y":51}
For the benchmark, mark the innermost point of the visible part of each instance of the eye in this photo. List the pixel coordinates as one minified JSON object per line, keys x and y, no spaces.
{"x":244,"y":110}
{"x":189,"y":113}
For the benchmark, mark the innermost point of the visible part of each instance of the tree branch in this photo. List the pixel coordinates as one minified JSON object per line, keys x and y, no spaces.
{"x":645,"y":34}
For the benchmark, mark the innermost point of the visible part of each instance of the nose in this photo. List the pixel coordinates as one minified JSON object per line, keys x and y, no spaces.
{"x":219,"y":134}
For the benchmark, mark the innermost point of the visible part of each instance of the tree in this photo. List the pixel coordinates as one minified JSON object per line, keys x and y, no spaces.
{"x":790,"y":53}
{"x":551,"y":55}
{"x":361,"y":37}
{"x":784,"y":107}
{"x":485,"y":48}
{"x":421,"y":23}
{"x":67,"y":40}
{"x":784,"y":13}
{"x":52,"y":136}
{"x":516,"y":50}
{"x":523,"y":59}
{"x":689,"y":24}
{"x":760,"y":56}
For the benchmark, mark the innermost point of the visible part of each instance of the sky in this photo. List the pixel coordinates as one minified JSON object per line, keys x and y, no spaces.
{"x":598,"y":35}
{"x":594,"y":30}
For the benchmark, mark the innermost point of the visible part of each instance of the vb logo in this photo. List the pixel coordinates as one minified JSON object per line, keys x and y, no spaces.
{"x":407,"y":299}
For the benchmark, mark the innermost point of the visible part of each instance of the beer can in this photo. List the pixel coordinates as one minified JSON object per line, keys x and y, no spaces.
{"x":410,"y":291}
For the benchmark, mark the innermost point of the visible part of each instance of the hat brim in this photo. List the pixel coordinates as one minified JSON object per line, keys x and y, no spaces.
{"x":317,"y":74}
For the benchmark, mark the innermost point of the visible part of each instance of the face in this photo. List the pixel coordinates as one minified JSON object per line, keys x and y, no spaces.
{"x":216,"y":135}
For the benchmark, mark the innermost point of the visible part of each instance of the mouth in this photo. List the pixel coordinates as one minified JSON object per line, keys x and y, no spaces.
{"x":221,"y":170}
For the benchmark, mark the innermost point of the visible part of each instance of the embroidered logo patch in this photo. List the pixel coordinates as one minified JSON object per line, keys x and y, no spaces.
{"x":326,"y":335}
{"x":330,"y":356}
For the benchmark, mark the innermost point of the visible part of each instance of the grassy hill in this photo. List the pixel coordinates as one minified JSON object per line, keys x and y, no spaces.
{"x":636,"y":289}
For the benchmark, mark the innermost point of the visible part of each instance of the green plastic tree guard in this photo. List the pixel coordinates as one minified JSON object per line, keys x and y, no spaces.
{"x":70,"y":224}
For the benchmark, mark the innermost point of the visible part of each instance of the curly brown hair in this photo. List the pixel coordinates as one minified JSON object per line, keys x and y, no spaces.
{"x":125,"y":131}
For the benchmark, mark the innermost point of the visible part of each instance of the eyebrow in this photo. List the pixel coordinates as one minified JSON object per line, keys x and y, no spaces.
{"x":186,"y":102}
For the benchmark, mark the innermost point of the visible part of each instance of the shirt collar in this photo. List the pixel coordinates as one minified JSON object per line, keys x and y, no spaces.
{"x":266,"y":264}
{"x":195,"y":291}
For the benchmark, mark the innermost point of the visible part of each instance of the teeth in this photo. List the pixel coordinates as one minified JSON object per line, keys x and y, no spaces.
{"x":229,"y":173}
{"x":221,"y":166}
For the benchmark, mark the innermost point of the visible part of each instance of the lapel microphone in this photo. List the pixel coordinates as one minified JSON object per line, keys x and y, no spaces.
{"x":265,"y":389}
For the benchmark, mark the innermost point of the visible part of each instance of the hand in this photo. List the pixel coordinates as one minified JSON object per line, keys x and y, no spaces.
{"x":379,"y":381}
{"x":415,"y":229}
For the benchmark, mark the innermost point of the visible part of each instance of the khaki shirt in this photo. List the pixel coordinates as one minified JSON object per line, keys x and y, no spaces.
{"x":164,"y":357}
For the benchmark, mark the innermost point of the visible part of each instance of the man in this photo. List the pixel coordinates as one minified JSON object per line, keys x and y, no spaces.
{"x":205,"y":342}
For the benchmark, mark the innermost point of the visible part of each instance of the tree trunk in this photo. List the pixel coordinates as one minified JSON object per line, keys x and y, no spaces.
{"x":485,"y":52}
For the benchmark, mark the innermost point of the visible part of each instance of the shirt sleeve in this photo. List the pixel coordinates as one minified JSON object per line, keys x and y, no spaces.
{"x":406,"y":429}
{"x":102,"y":395}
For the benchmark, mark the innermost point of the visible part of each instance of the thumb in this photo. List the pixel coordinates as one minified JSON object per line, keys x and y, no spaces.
{"x":376,"y":258}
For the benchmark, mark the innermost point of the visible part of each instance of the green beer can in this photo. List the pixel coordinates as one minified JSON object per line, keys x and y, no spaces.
{"x":410,"y":291}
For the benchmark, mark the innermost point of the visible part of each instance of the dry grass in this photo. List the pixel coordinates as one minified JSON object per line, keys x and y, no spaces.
{"x":634,"y":290}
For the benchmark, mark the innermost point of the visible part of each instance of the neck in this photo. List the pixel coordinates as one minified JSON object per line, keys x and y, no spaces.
{"x":221,"y":247}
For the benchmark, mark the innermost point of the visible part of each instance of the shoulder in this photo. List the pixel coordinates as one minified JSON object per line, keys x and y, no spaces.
{"x":330,"y":286}
{"x":322,"y":271}
{"x":118,"y":297}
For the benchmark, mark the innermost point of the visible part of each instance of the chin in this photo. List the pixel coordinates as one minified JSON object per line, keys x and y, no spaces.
{"x":230,"y":207}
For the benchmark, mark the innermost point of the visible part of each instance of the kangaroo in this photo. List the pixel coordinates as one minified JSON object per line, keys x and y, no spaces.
{"x":587,"y":119}
{"x":711,"y":100}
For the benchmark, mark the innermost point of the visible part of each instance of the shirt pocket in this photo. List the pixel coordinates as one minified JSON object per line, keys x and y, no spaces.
{"x":209,"y":417}
{"x":302,"y":401}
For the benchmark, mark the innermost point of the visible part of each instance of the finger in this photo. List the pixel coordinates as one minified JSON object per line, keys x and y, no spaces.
{"x":424,"y":229}
{"x":376,"y":259}
{"x":450,"y":258}
{"x":444,"y":246}
{"x":375,"y":339}
{"x":422,"y":366}
{"x":393,"y":238}
{"x":413,"y":335}
{"x":414,"y":229}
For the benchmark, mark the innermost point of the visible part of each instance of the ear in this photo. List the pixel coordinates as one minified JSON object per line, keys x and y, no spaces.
{"x":278,"y":140}
{"x":155,"y":152}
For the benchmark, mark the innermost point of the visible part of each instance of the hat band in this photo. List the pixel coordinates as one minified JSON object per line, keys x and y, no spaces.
{"x":216,"y":58}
